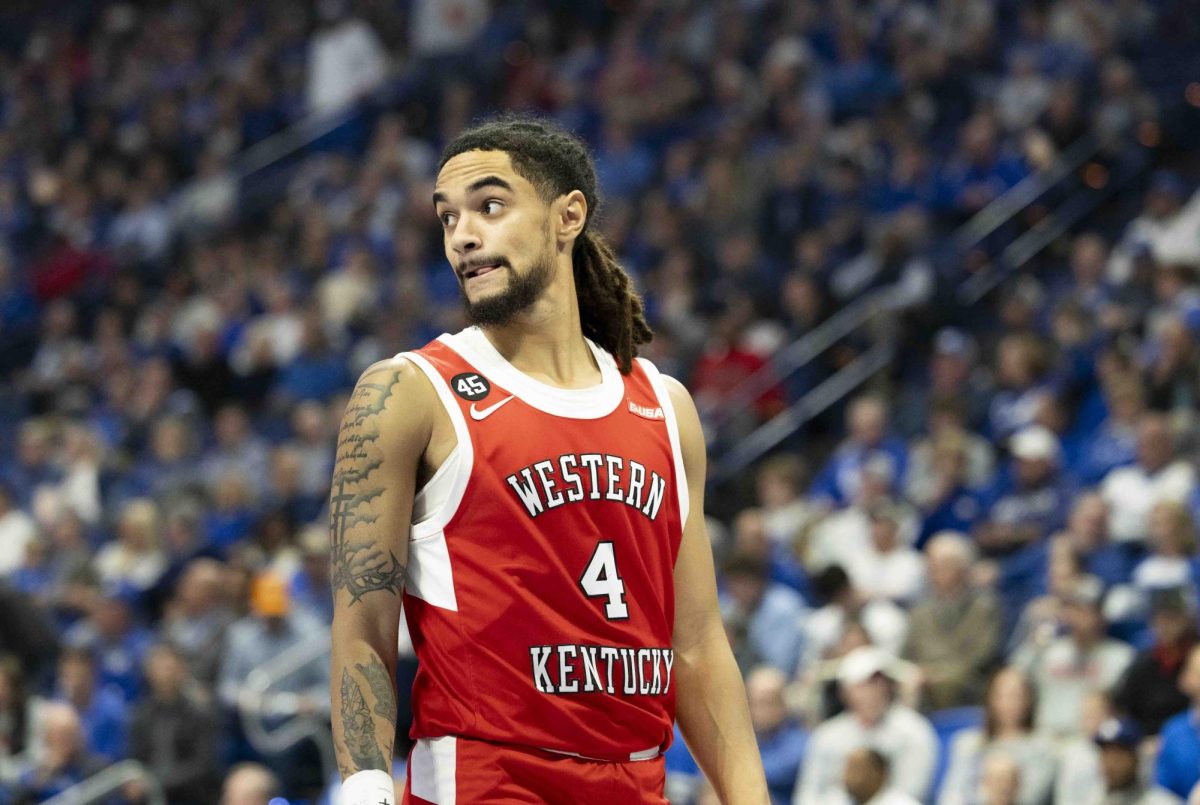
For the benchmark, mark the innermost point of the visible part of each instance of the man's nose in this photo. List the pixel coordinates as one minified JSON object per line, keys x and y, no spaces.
{"x":465,"y":238}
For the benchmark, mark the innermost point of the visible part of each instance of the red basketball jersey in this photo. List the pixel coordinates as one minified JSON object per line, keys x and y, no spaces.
{"x":539,"y":592}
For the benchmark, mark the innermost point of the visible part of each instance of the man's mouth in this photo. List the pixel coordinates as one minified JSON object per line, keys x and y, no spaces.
{"x":480,"y":270}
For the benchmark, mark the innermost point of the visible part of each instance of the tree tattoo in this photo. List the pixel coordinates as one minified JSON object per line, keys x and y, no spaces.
{"x":380,"y":682}
{"x":358,"y":565}
{"x":358,"y":727}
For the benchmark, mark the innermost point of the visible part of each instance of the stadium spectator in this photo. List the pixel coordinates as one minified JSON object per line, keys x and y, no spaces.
{"x":866,"y":780}
{"x":944,"y":495}
{"x":1066,"y":669}
{"x":173,"y":732}
{"x":135,"y":559}
{"x":884,"y":623}
{"x":1171,"y":538}
{"x":1087,"y":536}
{"x":1079,"y":775}
{"x":1150,"y":694}
{"x":1178,"y":765}
{"x":17,"y":530}
{"x":844,"y":534}
{"x":272,"y":627}
{"x":750,"y":538}
{"x":772,"y":613}
{"x":1007,"y":733}
{"x":62,"y":761}
{"x":954,"y":632}
{"x":102,"y":717}
{"x":1114,"y":442}
{"x":112,"y":635}
{"x":196,"y":619}
{"x":309,"y":586}
{"x":780,"y":740}
{"x":780,"y":487}
{"x":1119,"y":741}
{"x":1131,"y":492}
{"x":1021,"y":374}
{"x":237,"y":450}
{"x":1160,"y":230}
{"x":887,"y":568}
{"x":1034,"y":504}
{"x":867,"y":441}
{"x":250,"y":784}
{"x":873,"y":718}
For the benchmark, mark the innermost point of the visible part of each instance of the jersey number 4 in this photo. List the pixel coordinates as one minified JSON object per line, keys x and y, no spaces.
{"x":601,"y":580}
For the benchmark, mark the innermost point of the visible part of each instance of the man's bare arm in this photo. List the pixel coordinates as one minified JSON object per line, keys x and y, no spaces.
{"x":383,"y":435}
{"x":711,"y":705}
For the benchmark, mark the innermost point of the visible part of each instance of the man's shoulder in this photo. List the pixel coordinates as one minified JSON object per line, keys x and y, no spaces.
{"x":905,"y":719}
{"x":1178,"y":724}
{"x":833,"y":729}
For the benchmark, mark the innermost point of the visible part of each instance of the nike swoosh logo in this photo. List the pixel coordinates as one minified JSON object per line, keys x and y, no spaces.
{"x":480,"y":414}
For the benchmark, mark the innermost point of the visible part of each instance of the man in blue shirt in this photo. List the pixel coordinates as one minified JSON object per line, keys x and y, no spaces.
{"x":1178,"y":767}
{"x":780,"y":740}
{"x":867,"y":441}
{"x":773,"y":613}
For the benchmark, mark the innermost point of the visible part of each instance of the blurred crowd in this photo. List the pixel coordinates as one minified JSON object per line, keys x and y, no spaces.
{"x":975,"y":582}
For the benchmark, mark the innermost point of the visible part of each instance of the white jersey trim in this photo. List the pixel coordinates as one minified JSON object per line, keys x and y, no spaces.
{"x":429,"y":574}
{"x":432,"y":770}
{"x":664,"y":399}
{"x":644,"y":754}
{"x":453,"y":484}
{"x":593,"y":402}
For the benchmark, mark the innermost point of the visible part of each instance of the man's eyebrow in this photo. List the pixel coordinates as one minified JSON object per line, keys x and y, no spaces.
{"x":478,"y":184}
{"x":489,"y":181}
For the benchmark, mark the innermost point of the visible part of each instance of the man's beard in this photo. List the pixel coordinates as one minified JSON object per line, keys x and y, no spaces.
{"x":500,"y":309}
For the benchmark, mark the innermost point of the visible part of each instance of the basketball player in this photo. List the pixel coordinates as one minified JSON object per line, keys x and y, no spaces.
{"x":533,"y":491}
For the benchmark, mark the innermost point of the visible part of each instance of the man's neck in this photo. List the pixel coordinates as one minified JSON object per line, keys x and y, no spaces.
{"x":546,"y":341}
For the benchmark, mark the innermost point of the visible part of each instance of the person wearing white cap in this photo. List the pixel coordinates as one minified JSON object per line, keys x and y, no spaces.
{"x":1131,"y":492}
{"x":873,"y":719}
{"x":1037,"y":503}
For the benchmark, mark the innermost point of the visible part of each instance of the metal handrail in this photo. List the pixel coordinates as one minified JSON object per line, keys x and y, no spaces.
{"x":864,"y":310}
{"x":107,"y":782}
{"x":1030,"y":243}
{"x":786,"y":422}
{"x":1017,"y":198}
{"x":256,"y":704}
{"x":809,"y":346}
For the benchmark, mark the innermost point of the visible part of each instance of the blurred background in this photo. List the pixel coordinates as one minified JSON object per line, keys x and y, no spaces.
{"x":930,"y":269}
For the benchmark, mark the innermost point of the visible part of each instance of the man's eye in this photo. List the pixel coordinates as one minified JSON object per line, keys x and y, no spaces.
{"x":448,"y":219}
{"x":490,"y":207}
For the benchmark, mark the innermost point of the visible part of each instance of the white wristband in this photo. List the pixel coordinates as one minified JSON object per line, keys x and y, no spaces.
{"x":370,"y":787}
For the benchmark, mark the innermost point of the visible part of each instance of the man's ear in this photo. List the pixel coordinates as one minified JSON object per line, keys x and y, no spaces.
{"x":570,"y":217}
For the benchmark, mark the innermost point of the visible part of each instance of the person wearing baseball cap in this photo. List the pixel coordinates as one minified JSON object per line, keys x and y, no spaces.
{"x":1118,"y":740}
{"x":873,"y":718}
{"x":1037,"y":502}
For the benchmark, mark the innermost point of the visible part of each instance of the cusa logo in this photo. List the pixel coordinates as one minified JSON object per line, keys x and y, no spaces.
{"x":643,"y":411}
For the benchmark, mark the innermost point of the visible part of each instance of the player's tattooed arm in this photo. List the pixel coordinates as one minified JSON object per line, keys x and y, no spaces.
{"x":358,"y":727}
{"x":360,"y":563}
{"x":383,"y":435}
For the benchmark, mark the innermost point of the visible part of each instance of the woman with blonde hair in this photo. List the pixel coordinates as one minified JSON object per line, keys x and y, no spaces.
{"x":1171,"y":533}
{"x":135,"y":558}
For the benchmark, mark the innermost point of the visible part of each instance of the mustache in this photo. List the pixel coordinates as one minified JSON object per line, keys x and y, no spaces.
{"x":475,"y":262}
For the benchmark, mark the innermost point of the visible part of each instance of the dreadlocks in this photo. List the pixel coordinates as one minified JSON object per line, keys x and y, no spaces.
{"x":556,"y":162}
